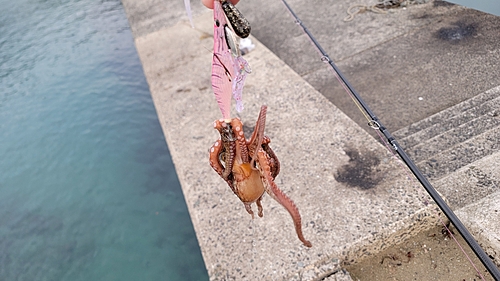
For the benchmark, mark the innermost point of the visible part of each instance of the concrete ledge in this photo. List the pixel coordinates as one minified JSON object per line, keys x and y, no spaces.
{"x":354,"y":197}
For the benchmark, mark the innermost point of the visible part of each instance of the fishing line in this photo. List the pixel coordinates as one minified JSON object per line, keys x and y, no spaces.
{"x":376,"y":124}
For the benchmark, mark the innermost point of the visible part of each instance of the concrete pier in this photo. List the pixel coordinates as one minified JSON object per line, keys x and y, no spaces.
{"x":354,"y":196}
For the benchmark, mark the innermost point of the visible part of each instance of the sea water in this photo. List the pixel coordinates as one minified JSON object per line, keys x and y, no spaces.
{"x":488,"y":6}
{"x":87,"y":187}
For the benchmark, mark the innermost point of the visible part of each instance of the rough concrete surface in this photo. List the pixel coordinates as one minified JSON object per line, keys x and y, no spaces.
{"x":407,"y":64}
{"x":317,"y":145}
{"x":484,"y":105}
{"x":410,"y":65}
{"x":354,"y":197}
{"x":147,"y":16}
{"x":474,"y":193}
{"x":483,"y":218}
{"x":472,"y":182}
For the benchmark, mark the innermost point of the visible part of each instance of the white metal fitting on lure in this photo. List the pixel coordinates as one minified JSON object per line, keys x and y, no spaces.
{"x":232,"y":42}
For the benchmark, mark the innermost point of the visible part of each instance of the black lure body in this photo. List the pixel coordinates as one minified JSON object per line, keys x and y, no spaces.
{"x":240,"y":24}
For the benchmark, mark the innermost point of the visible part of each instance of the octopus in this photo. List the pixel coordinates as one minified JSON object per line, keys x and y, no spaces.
{"x":249,"y":167}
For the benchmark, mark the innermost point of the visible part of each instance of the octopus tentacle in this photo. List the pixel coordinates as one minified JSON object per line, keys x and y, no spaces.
{"x":229,"y":146}
{"x":259,"y":206}
{"x":230,"y":151}
{"x":275,"y":163}
{"x":214,"y":157}
{"x":215,"y":163}
{"x":248,"y":207}
{"x":240,"y":138}
{"x":278,"y":195}
{"x":225,"y":148}
{"x":257,"y":135}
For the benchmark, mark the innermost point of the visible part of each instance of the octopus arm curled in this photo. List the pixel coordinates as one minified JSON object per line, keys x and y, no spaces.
{"x":278,"y":195}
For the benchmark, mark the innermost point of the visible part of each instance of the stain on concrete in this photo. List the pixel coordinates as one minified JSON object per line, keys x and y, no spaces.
{"x":360,"y":171}
{"x":458,"y":32}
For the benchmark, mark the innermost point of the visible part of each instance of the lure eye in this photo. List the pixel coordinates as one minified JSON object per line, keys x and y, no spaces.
{"x":217,"y":23}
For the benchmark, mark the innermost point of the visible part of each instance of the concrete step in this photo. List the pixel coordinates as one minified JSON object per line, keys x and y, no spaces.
{"x":471,"y":183}
{"x":460,"y":154}
{"x":452,"y":118}
{"x":449,"y":118}
{"x":483,"y":221}
{"x":454,"y":137}
{"x":428,"y":147}
{"x":473,"y":192}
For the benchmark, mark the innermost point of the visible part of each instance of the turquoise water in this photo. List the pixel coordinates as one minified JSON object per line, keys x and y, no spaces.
{"x":488,"y":6}
{"x":87,"y":187}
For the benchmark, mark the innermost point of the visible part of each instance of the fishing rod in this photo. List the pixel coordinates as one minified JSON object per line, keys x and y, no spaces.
{"x":375,"y":123}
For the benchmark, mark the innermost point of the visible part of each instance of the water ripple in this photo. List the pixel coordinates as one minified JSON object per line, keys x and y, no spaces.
{"x":87,"y":189}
